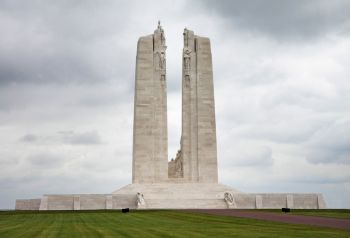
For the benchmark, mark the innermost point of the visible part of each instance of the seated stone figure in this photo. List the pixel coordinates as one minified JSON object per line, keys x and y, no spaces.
{"x":140,"y":200}
{"x":230,"y":200}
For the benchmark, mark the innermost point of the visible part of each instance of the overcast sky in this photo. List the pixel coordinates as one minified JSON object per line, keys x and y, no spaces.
{"x":282,"y":93}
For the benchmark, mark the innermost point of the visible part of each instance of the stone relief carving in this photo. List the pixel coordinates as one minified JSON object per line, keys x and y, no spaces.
{"x":140,"y":200}
{"x":176,"y":166}
{"x":230,"y":200}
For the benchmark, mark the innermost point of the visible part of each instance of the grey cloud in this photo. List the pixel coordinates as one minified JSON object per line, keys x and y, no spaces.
{"x":99,"y":100}
{"x":326,"y":179}
{"x":9,"y":160}
{"x":249,"y":155}
{"x":299,"y":19}
{"x":330,"y":145}
{"x":63,"y":98}
{"x":45,"y":159}
{"x":29,"y":138}
{"x":65,"y":137}
{"x":46,"y":69}
{"x":85,"y":138}
{"x":62,"y":42}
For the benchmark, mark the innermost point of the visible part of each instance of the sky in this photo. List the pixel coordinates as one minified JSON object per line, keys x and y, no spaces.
{"x":281,"y":79}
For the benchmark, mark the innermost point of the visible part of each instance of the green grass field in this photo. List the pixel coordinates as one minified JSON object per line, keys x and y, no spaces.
{"x":148,"y":224}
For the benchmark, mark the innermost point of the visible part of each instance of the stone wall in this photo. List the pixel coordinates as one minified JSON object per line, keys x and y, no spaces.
{"x":78,"y":202}
{"x":93,"y":202}
{"x":176,"y":196}
{"x":28,"y":204}
{"x":279,"y":200}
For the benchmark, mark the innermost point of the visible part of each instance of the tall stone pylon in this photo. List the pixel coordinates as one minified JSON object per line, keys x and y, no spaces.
{"x":198,"y":139}
{"x":150,"y":143}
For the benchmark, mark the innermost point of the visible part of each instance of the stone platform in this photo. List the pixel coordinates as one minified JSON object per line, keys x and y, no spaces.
{"x":212,"y":196}
{"x":179,"y":195}
{"x":173,"y":196}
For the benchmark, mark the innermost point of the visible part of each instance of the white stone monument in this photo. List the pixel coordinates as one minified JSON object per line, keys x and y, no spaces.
{"x":191,"y":179}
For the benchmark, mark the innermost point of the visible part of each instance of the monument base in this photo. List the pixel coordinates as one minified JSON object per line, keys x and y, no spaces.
{"x":174,"y":196}
{"x":179,"y":195}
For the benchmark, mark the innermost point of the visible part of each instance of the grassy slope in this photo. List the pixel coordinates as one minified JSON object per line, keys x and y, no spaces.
{"x":148,"y":224}
{"x":334,"y":213}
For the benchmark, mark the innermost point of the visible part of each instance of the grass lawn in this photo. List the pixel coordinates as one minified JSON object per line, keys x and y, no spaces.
{"x":148,"y":224}
{"x":334,"y":213}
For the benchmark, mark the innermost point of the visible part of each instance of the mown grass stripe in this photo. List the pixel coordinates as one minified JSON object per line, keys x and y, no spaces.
{"x":160,"y":223}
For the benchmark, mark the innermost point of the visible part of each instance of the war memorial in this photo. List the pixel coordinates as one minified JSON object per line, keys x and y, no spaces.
{"x":191,"y":179}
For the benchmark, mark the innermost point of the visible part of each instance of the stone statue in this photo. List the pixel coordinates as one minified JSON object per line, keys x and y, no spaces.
{"x":185,"y":37}
{"x":162,"y":60}
{"x":140,"y":201}
{"x":229,"y":199}
{"x":187,"y":59}
{"x":162,"y":37}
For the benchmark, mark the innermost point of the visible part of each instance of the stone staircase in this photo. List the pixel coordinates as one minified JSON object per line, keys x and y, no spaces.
{"x":179,"y":195}
{"x":185,"y":203}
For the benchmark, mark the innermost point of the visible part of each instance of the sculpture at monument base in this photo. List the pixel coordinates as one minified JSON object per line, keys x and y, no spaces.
{"x":191,"y":179}
{"x":140,"y":201}
{"x":230,"y":200}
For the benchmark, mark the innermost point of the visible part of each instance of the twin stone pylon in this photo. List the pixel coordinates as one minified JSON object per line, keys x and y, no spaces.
{"x":191,"y":179}
{"x":196,"y":161}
